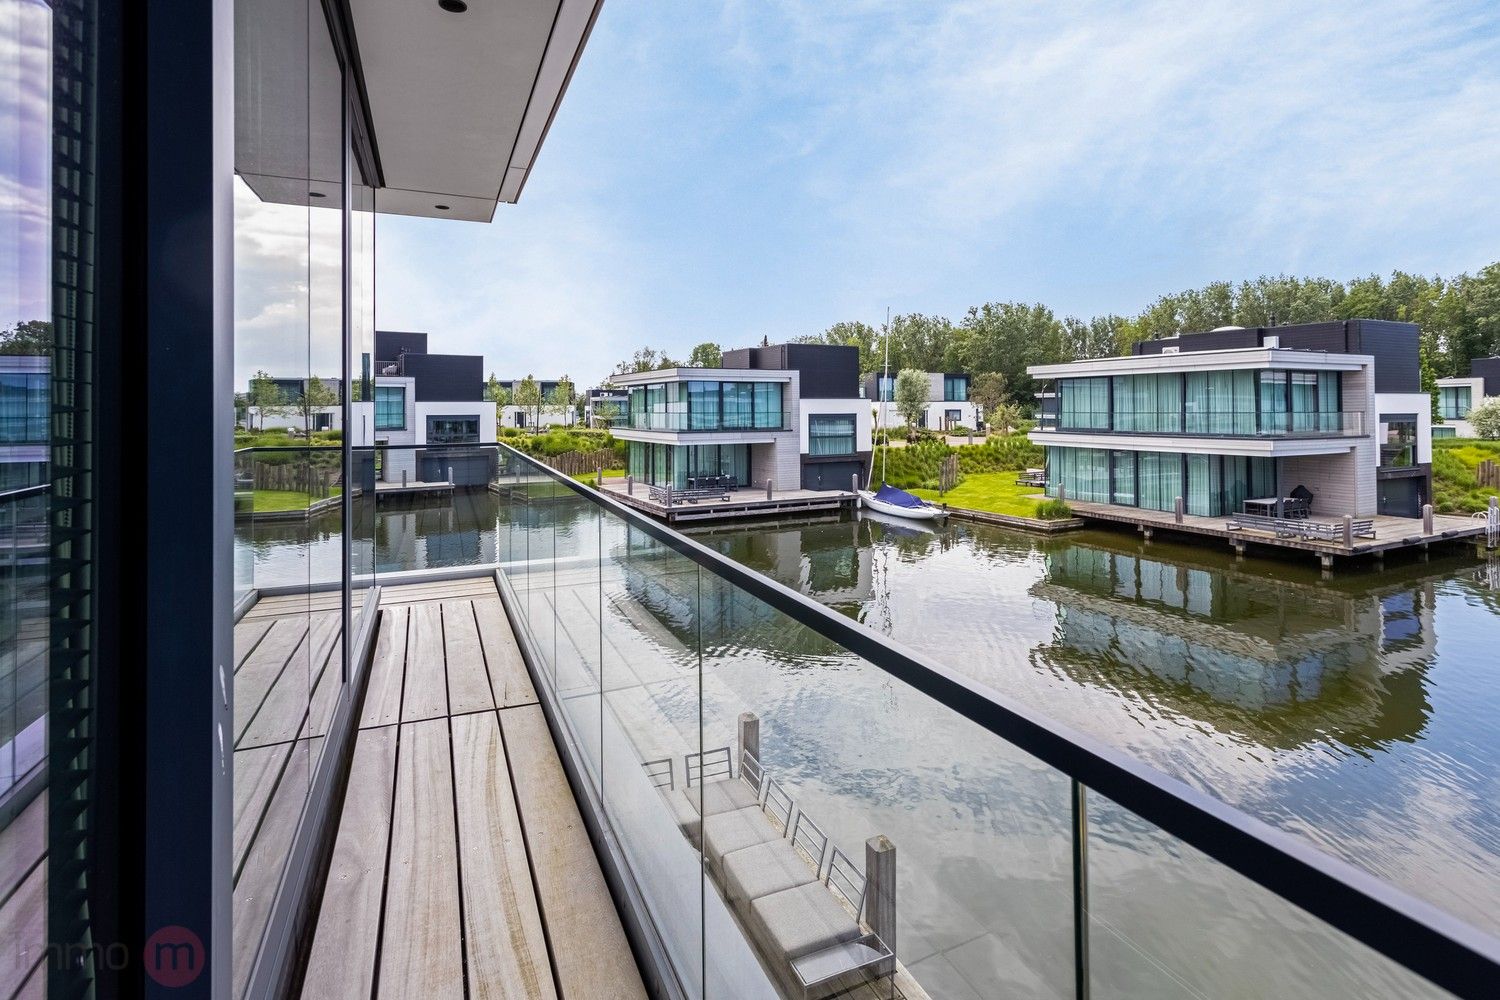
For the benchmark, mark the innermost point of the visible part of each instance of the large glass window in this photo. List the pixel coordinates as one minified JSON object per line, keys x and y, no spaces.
{"x":1085,"y":403}
{"x":885,"y":386}
{"x":768,"y":403}
{"x":452,"y":430}
{"x":1399,"y":448}
{"x":25,"y":405}
{"x":703,"y":406}
{"x":1455,"y":402}
{"x":390,"y":408}
{"x":1082,"y":472}
{"x":956,"y":388}
{"x":738,"y":402}
{"x":830,"y":434}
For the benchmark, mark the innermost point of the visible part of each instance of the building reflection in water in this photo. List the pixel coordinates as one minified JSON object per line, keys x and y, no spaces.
{"x":1283,"y":663}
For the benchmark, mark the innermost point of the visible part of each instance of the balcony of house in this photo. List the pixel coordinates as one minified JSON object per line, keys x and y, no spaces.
{"x":708,"y":401}
{"x":584,"y":755}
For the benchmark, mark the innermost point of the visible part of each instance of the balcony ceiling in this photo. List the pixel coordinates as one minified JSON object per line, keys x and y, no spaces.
{"x":460,"y":103}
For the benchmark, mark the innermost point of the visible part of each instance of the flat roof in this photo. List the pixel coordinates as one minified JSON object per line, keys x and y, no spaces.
{"x":1239,"y":357}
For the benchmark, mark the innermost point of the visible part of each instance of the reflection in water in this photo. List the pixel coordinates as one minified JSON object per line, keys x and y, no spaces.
{"x":1356,"y":712}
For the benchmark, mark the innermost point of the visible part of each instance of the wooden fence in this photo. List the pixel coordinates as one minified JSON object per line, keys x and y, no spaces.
{"x":297,"y":477}
{"x":580,"y":463}
{"x":1488,"y":473}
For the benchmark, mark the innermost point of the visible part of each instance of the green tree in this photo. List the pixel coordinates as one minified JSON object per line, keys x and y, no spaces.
{"x":646,"y":359}
{"x":1485,"y":419}
{"x":917,"y":341}
{"x":31,"y":337}
{"x":1006,"y":418}
{"x":560,"y":398}
{"x":497,"y":392}
{"x":988,"y":390}
{"x":911,"y":395}
{"x":706,"y":355}
{"x":317,"y":395}
{"x":528,"y":397}
{"x":265,"y":398}
{"x":1006,"y":337}
{"x":605,"y":415}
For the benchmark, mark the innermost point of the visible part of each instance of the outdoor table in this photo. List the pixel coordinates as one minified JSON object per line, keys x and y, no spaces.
{"x":854,"y":959}
{"x":1265,"y":506}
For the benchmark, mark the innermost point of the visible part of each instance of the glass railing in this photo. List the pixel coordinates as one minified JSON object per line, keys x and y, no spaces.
{"x":23,"y":635}
{"x":1215,"y":423}
{"x":675,"y":421}
{"x":798,"y":805}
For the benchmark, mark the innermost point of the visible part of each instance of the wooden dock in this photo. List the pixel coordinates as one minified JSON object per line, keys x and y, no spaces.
{"x":1391,"y":534}
{"x":462,"y":866}
{"x":741,"y":503}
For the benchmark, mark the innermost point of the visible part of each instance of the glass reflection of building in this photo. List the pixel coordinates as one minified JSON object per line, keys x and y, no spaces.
{"x":1286,"y":663}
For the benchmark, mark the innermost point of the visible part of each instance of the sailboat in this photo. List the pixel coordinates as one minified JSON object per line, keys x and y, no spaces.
{"x":888,"y":499}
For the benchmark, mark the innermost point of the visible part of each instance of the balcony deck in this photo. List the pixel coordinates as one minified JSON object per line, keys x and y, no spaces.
{"x":741,"y":503}
{"x":462,"y":866}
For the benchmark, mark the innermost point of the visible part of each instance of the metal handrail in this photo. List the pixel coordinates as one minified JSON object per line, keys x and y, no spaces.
{"x":1409,"y":931}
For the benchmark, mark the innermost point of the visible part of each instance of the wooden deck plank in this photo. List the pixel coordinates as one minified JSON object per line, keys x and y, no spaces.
{"x":342,"y":963}
{"x":468,"y":681}
{"x":23,"y":919}
{"x":255,"y":886}
{"x":283,"y":713}
{"x":256,"y":771}
{"x":444,"y":590}
{"x":421,"y":954}
{"x":247,"y":634}
{"x":383,"y":693}
{"x":22,"y":844}
{"x":507,"y":949}
{"x":426,"y":691}
{"x":589,"y":947}
{"x":294,"y":604}
{"x":508,"y":675}
{"x":255,"y":679}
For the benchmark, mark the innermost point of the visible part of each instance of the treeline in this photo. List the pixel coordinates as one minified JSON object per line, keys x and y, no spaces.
{"x":1459,"y":317}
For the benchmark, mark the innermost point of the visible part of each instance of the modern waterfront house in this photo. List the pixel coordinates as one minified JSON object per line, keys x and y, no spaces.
{"x":605,"y":405}
{"x":421,"y":411}
{"x":787,"y":416}
{"x":1236,"y":415}
{"x":948,"y":403}
{"x":1457,"y":396}
{"x":533,"y":755}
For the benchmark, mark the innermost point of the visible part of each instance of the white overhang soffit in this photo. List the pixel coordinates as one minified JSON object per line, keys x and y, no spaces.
{"x":461,"y":102}
{"x":1246,"y":357}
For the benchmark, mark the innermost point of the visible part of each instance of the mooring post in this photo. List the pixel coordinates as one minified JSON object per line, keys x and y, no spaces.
{"x":451,"y":481}
{"x":1348,"y":532}
{"x":749,"y":737}
{"x":403,"y":479}
{"x":768,"y":487}
{"x":880,"y":896}
{"x":669,"y":494}
{"x":854,"y":483}
{"x":1177,"y":509}
{"x":1062,"y":491}
{"x":599,"y":476}
{"x":1427,"y":519}
{"x":630,"y":486}
{"x":1326,"y":560}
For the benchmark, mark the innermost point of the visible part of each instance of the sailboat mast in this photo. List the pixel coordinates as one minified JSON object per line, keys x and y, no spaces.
{"x":885,"y":451}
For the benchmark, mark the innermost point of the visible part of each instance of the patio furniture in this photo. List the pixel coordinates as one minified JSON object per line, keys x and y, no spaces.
{"x":777,"y":865}
{"x":838,"y":969}
{"x":1032,"y":477}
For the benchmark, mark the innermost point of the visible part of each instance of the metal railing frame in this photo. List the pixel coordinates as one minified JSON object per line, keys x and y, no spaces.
{"x":1410,"y":932}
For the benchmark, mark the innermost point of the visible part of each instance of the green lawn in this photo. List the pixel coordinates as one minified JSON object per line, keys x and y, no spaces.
{"x":277,"y":500}
{"x":995,"y":492}
{"x":588,"y":477}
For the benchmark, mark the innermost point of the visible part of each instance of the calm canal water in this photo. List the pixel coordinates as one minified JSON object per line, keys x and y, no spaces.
{"x":1359,"y":712}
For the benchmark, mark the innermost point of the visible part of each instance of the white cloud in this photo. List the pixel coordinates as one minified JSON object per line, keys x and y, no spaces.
{"x":25,"y":160}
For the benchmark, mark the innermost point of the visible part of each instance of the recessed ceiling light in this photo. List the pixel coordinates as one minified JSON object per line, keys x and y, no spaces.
{"x":453,"y":6}
{"x":441,"y":208}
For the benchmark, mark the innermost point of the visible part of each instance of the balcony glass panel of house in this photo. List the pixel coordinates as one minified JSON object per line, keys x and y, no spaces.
{"x":830,"y":434}
{"x":705,"y":405}
{"x":1213,"y":404}
{"x":1455,"y":402}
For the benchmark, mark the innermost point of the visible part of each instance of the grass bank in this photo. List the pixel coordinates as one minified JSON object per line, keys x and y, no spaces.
{"x":268,"y":501}
{"x":998,"y":493}
{"x":1455,"y":486}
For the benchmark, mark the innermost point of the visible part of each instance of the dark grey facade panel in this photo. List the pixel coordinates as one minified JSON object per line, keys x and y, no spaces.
{"x":1330,"y":337}
{"x":826,"y":371}
{"x":390,"y":343}
{"x":1489,"y":370}
{"x":1395,"y":348}
{"x":444,"y":377}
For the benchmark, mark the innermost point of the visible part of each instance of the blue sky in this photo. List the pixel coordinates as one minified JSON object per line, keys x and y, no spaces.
{"x":732,"y":171}
{"x":766,"y":169}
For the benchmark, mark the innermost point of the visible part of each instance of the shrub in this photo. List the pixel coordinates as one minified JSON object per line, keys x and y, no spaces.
{"x":1053,"y":509}
{"x":1485,"y":419}
{"x":959,"y":430}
